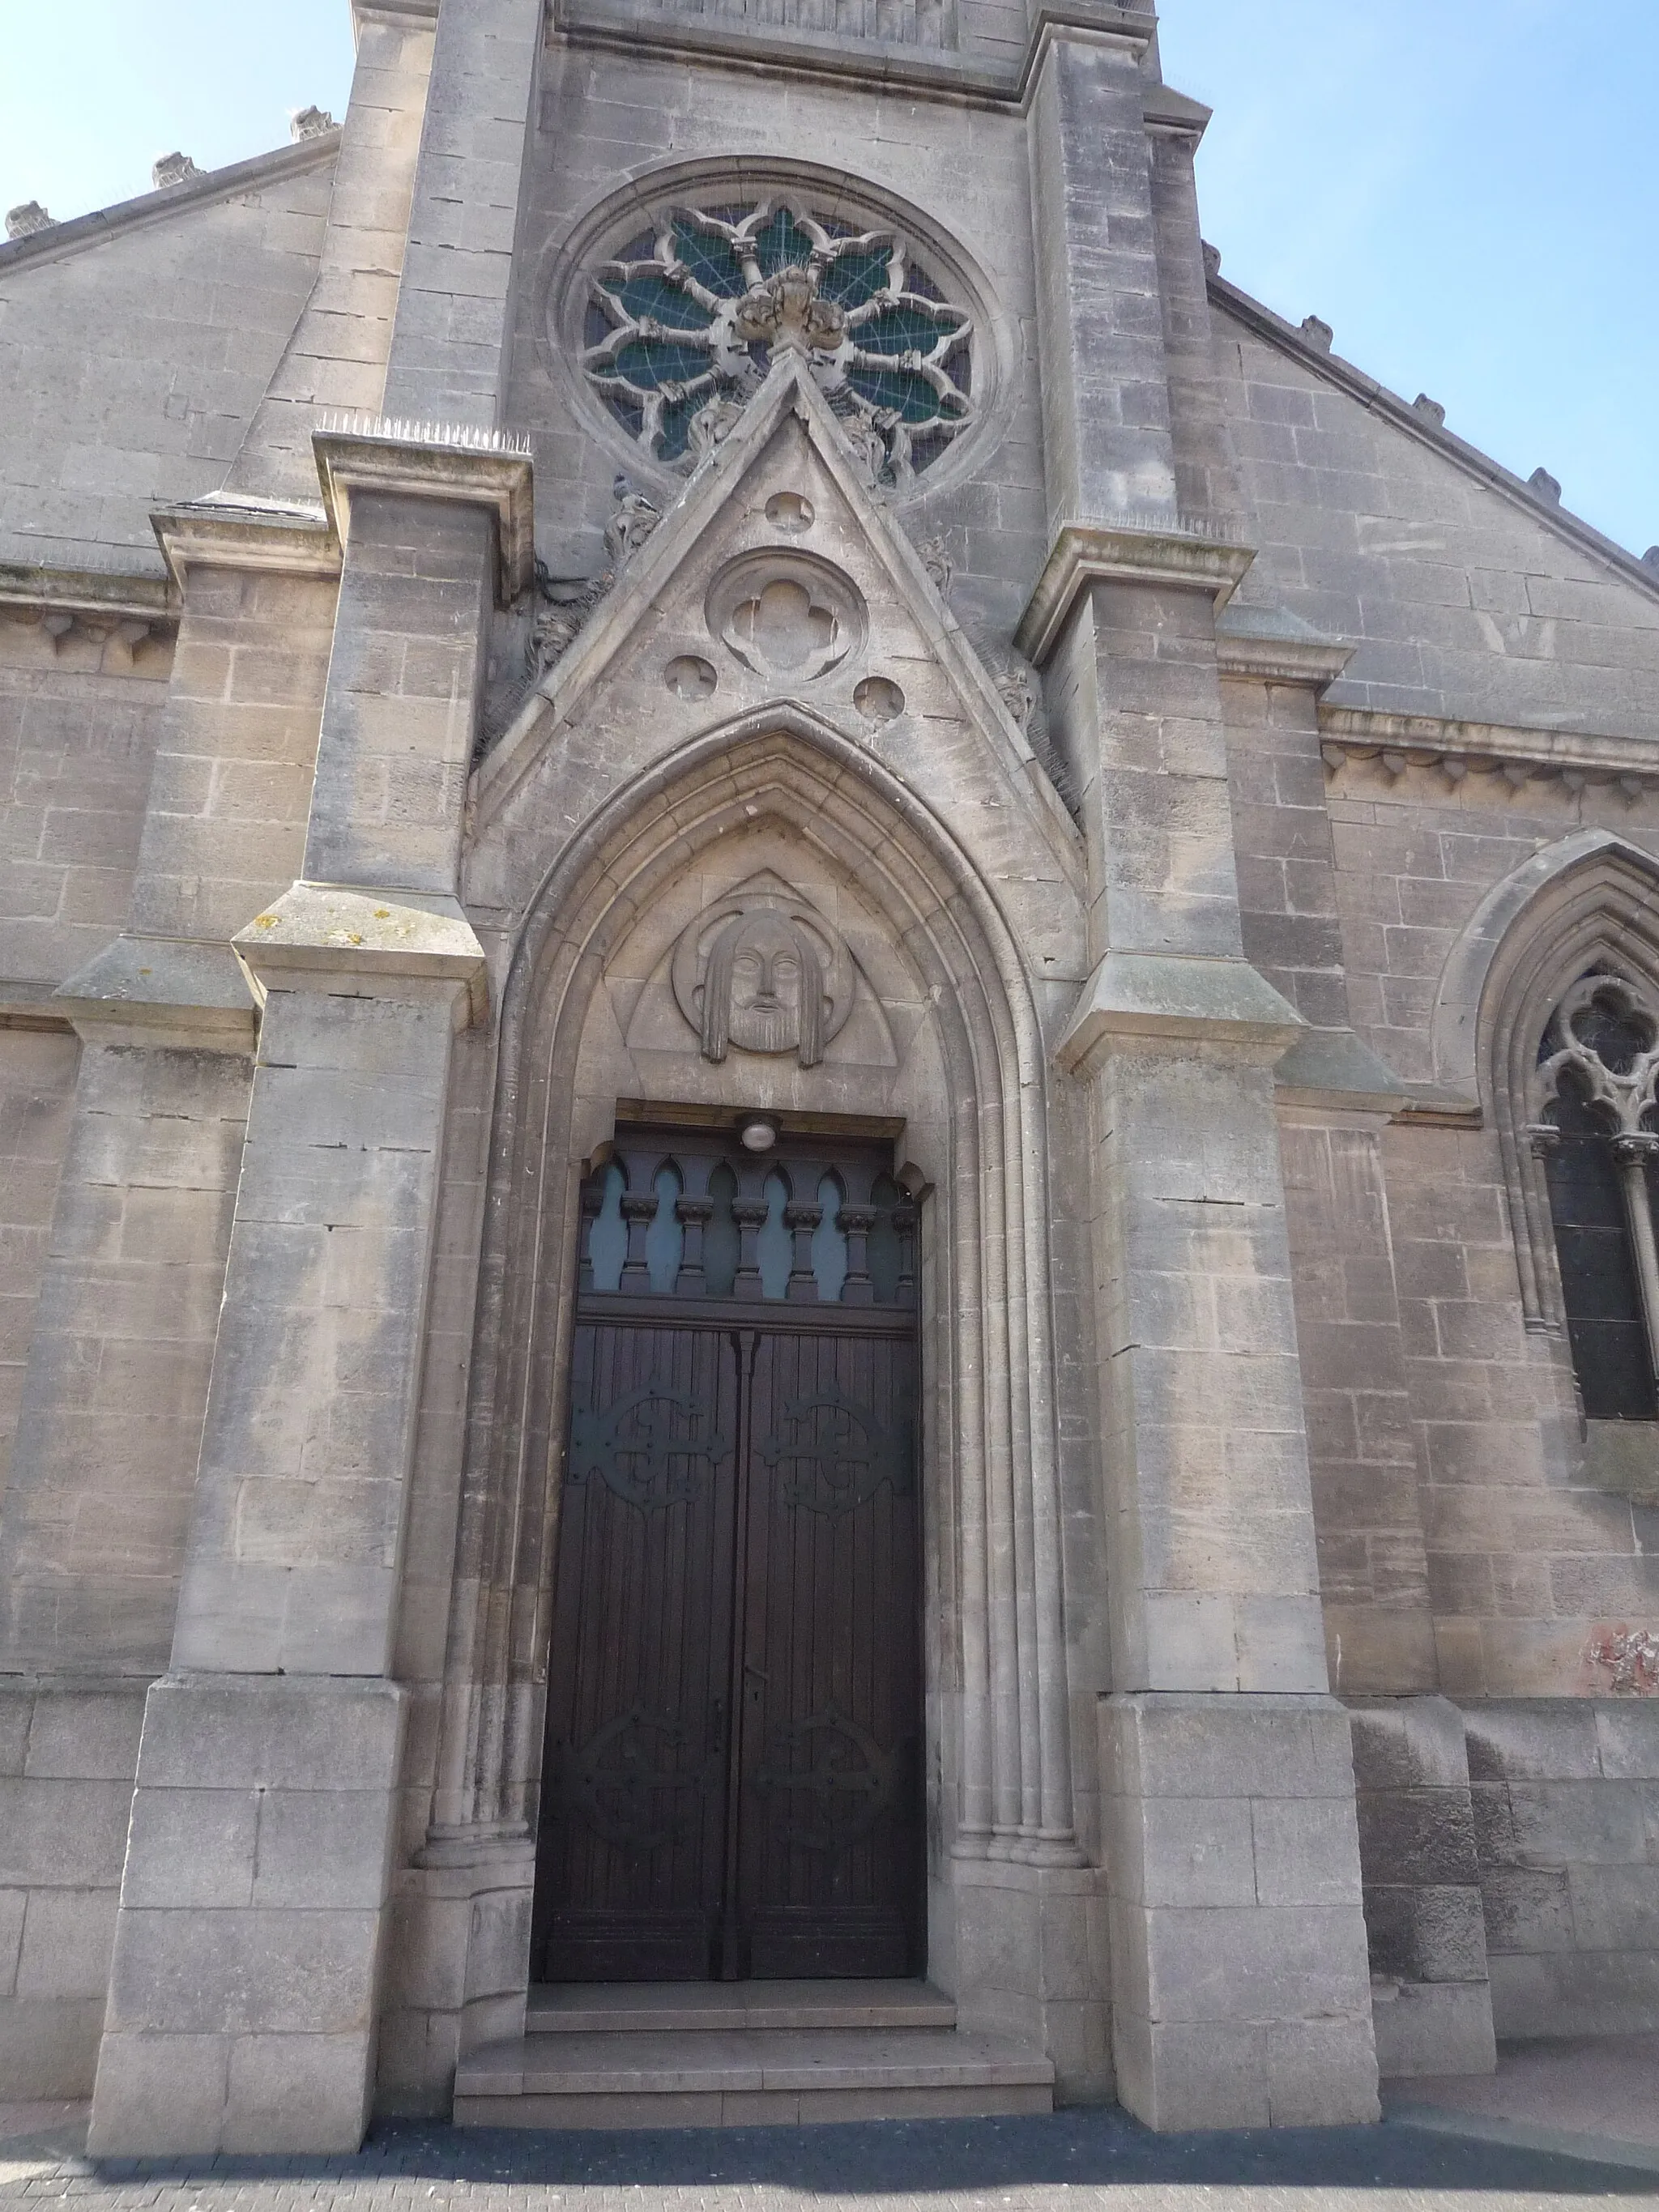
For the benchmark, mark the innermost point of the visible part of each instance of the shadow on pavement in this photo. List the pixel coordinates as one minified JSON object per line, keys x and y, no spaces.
{"x":1092,"y":2150}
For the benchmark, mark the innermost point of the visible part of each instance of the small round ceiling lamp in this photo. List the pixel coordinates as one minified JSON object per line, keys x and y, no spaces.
{"x":759,"y":1133}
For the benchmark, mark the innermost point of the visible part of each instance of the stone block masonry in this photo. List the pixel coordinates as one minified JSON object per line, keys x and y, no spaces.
{"x":1185,"y":759}
{"x":1242,"y":1997}
{"x":68,"y":1752}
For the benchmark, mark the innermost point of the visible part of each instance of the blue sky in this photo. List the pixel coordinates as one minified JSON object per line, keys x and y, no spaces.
{"x":1467,"y":189}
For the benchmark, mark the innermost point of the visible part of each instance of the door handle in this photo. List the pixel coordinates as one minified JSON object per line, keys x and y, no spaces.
{"x":759,"y":1673}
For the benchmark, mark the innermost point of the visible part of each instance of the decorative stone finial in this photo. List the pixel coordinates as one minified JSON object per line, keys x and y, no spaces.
{"x":1431,"y":409}
{"x":1212,"y":258}
{"x":310,"y":123}
{"x":1319,"y":335}
{"x":172,"y":169}
{"x":1651,"y":558}
{"x":1542,"y":485}
{"x":25,"y":220}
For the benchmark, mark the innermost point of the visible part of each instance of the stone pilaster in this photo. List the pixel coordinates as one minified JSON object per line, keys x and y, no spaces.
{"x":449,"y":349}
{"x":1239,"y":1978}
{"x":278,"y":1706}
{"x":1108,"y":448}
{"x":263,"y":1821}
{"x":1240,"y":1984}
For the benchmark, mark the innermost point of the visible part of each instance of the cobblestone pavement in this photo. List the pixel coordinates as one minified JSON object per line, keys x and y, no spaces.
{"x":1094,"y":2162}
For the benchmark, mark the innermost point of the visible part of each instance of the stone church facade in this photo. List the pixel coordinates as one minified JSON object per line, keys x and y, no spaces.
{"x":828,"y":1043}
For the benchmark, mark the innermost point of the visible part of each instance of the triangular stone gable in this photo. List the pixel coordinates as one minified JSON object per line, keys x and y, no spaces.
{"x":1467,"y":596}
{"x":679,"y":649}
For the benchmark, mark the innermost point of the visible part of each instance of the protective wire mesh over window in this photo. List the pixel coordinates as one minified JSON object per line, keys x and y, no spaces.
{"x":683,"y":326}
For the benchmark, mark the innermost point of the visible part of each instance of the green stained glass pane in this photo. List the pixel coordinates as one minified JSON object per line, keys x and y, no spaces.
{"x":909,"y":397}
{"x":709,"y":259}
{"x":647,"y":362}
{"x":655,"y":296}
{"x":902,"y":330}
{"x":677,"y":425}
{"x":781,"y":244}
{"x":854,"y":279}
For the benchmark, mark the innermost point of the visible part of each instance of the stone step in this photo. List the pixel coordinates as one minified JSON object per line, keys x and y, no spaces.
{"x":719,"y":2008}
{"x":747,"y":2078}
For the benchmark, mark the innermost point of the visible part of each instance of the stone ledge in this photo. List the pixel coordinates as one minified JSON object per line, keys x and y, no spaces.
{"x":334,"y":932}
{"x":1334,"y":1069}
{"x":160,"y":991}
{"x":32,"y":1006}
{"x":269,"y":540}
{"x":1129,"y":551}
{"x":423,"y":460}
{"x":1273,"y":645}
{"x":110,"y":594}
{"x":1143,"y":998}
{"x":1402,"y":742}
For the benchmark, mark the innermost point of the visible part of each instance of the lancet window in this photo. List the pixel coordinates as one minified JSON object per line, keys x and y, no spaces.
{"x":1597,"y":1135}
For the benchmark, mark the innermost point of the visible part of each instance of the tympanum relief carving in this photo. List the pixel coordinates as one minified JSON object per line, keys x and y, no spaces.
{"x":764,"y":975}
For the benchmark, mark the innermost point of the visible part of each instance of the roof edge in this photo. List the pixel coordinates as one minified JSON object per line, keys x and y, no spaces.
{"x":82,"y":231}
{"x":1405,"y":417}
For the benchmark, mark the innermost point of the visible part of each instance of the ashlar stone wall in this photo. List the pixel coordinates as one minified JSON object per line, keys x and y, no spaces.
{"x":605,"y":116}
{"x":132,"y":364}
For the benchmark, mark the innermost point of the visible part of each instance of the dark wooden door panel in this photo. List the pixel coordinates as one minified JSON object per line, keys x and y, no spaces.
{"x":635,"y":1791}
{"x":829,"y":1811}
{"x":732,"y":1781}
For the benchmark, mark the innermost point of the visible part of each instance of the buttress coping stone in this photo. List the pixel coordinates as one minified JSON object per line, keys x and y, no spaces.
{"x":376,"y":937}
{"x":1181,"y":1000}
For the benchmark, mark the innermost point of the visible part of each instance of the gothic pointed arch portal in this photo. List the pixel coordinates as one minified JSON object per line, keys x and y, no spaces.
{"x":940,"y":987}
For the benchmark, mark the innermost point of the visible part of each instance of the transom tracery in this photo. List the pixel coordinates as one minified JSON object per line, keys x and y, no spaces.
{"x":1604,"y":1034}
{"x":684,"y":322}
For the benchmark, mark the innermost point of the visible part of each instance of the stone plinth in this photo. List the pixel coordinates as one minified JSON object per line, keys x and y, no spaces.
{"x":242,"y":1999}
{"x":1241,"y":1993}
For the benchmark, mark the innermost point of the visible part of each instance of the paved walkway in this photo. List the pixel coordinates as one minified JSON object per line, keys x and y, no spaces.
{"x":1095,"y":2162}
{"x":1609,"y":2086}
{"x":1554,"y":2094}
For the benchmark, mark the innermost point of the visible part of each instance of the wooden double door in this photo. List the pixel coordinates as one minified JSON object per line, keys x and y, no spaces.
{"x":732,"y":1781}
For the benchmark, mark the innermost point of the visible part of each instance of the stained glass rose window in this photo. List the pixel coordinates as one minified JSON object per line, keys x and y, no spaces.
{"x":683,"y":325}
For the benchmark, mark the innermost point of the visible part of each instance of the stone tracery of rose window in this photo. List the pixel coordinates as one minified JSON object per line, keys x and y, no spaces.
{"x":683,"y":325}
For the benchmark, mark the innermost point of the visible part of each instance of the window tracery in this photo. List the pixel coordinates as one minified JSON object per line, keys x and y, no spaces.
{"x":685,"y":321}
{"x":1596,"y":1135}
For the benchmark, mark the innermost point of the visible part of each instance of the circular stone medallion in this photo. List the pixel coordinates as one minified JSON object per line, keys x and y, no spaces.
{"x":786,"y":615}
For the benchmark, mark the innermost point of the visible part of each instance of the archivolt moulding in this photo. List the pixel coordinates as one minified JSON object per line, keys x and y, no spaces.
{"x":999,"y":1457}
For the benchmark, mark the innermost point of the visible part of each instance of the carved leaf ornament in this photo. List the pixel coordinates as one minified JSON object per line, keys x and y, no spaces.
{"x":683,"y":326}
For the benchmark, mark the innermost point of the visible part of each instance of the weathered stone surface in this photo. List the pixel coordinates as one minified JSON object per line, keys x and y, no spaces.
{"x":1213,"y":773}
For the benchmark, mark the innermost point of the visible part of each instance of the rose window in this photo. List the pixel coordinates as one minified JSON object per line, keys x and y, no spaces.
{"x":683,"y":326}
